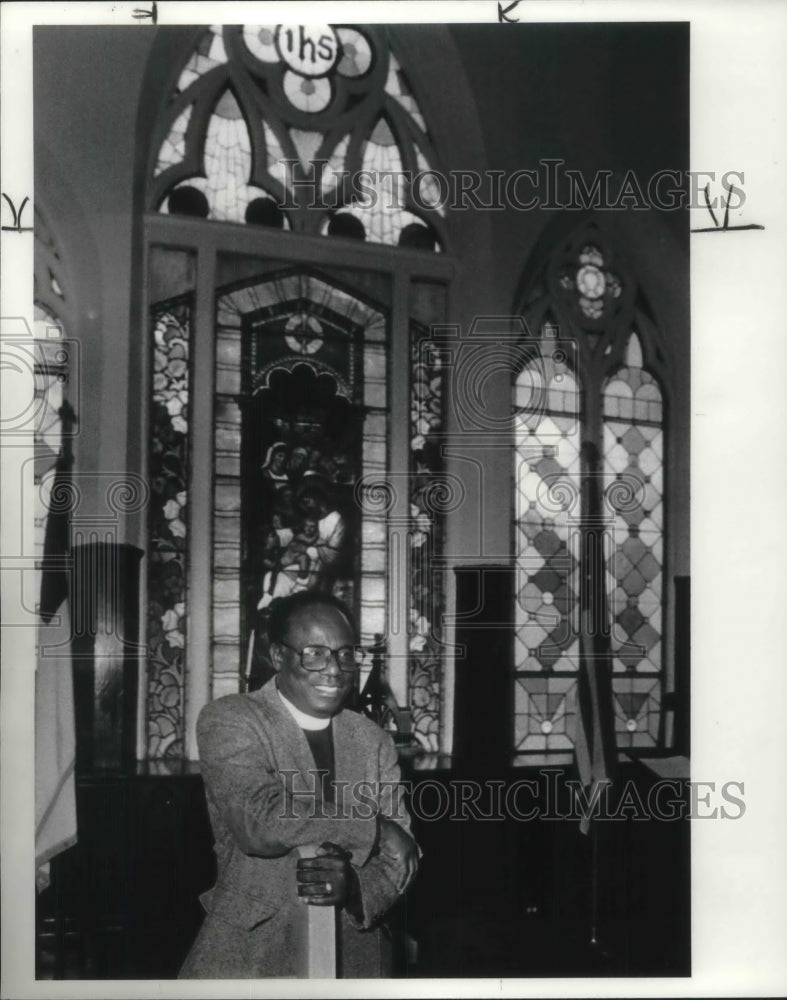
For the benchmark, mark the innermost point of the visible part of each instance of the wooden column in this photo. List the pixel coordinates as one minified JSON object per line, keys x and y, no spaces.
{"x":315,"y":934}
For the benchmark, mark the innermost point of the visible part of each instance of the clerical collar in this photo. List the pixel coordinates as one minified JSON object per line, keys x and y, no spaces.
{"x":304,"y":721}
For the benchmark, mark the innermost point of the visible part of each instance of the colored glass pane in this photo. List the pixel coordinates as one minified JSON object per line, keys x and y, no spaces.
{"x":544,"y":711}
{"x":227,"y":160}
{"x":261,"y":42}
{"x":167,"y":530}
{"x":429,"y":191}
{"x":637,"y":707}
{"x":333,"y":169}
{"x":306,"y":144}
{"x":397,"y":86}
{"x":208,"y":54}
{"x":275,"y":157}
{"x":173,"y":149}
{"x":633,"y":464}
{"x":305,"y":93}
{"x":356,"y":53}
{"x":428,"y":492}
{"x":546,"y":514}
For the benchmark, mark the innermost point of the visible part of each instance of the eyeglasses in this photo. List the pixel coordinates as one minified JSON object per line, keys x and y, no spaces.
{"x":318,"y":657}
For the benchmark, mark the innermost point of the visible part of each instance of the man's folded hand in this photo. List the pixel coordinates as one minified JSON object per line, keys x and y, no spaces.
{"x":327,"y":879}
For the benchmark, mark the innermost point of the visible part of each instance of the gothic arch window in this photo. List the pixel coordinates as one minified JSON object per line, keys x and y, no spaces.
{"x":590,"y":402}
{"x":311,"y":129}
{"x":290,"y":363}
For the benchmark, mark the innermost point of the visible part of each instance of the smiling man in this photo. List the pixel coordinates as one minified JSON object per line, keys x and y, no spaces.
{"x":285,"y":767}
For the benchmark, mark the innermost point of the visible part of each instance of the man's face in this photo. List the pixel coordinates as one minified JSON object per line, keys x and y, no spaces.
{"x":320,"y":693}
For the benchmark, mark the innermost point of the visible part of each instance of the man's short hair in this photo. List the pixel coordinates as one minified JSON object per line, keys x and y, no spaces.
{"x":282,"y":609}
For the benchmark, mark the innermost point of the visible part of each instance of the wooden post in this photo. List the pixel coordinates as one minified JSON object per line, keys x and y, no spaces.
{"x":315,"y":935}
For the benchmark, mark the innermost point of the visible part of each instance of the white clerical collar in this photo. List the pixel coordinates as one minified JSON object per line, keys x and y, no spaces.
{"x":304,"y":721}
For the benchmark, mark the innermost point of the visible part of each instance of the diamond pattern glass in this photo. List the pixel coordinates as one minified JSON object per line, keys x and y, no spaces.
{"x":633,"y":462}
{"x":546,"y":476}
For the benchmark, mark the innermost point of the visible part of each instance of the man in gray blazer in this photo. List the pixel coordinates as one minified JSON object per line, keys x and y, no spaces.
{"x":285,"y":767}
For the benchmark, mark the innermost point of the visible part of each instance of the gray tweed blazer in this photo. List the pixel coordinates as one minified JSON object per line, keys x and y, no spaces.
{"x":264,"y":800}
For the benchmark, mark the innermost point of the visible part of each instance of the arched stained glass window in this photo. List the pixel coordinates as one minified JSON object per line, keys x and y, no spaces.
{"x":588,"y":457}
{"x":306,"y":128}
{"x":285,"y":407}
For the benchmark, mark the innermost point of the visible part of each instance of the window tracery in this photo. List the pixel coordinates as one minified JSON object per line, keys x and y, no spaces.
{"x":268,"y":123}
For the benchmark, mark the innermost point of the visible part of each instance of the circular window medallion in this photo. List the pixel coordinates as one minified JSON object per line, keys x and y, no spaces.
{"x":590,"y":281}
{"x":308,"y":49}
{"x":304,"y":334}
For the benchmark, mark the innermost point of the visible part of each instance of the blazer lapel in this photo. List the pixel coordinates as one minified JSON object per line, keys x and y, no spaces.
{"x":352,"y":763}
{"x":291,"y":747}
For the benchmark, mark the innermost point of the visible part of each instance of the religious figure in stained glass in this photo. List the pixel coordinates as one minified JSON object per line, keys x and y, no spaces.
{"x":305,"y":485}
{"x":307,"y":361}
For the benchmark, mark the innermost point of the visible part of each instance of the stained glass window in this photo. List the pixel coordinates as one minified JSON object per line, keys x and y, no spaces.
{"x":168,"y":528}
{"x":269,"y":125}
{"x":633,"y":461}
{"x":273,"y":126}
{"x":310,"y":361}
{"x":429,"y":499}
{"x":609,"y":404}
{"x":547,"y":409}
